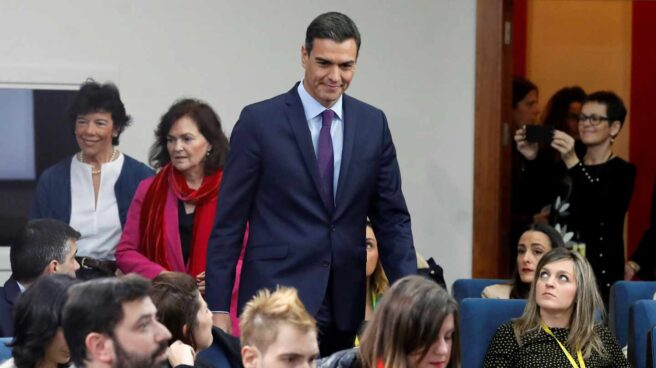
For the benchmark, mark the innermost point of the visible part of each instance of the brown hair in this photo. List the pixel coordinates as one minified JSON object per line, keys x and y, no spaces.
{"x":209,"y":125}
{"x":408,"y":320}
{"x":175,"y":295}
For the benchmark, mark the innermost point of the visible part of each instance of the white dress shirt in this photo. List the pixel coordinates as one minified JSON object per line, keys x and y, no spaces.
{"x":99,"y":222}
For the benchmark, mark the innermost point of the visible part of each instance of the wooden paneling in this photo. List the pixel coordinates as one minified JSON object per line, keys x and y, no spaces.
{"x":492,"y":139}
{"x":642,"y":150}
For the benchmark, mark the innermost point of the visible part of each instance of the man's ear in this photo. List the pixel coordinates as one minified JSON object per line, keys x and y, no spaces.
{"x":51,"y":267}
{"x":100,"y":348}
{"x":250,"y":356}
{"x":304,"y":56}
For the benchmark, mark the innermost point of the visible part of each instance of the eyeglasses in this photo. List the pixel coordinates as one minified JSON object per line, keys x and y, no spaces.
{"x":593,"y":119}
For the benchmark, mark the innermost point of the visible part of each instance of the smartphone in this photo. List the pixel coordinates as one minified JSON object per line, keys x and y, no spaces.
{"x":539,"y":134}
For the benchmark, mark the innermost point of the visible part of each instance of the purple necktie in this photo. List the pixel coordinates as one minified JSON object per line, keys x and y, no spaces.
{"x":325,"y":154}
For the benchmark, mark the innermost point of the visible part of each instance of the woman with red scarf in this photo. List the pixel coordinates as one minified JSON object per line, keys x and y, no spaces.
{"x":172,"y":213}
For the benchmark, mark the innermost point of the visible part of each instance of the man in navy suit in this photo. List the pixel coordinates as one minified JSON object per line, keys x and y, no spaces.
{"x":42,"y":247}
{"x":305,"y":170}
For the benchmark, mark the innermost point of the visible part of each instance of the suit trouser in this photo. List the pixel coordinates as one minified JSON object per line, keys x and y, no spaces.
{"x":331,"y":338}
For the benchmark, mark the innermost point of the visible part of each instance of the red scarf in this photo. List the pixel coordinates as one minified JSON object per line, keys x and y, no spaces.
{"x":152,"y":243}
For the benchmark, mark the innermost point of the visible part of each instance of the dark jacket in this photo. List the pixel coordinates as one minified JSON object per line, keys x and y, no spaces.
{"x":225,"y":352}
{"x":8,"y":295}
{"x":53,"y":191}
{"x":296,"y":238}
{"x":341,"y":359}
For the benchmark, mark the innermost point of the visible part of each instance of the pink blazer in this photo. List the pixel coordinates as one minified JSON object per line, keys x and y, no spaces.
{"x":130,"y":260}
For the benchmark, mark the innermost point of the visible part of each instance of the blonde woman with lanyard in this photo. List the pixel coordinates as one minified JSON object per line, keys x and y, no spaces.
{"x":558,"y":327}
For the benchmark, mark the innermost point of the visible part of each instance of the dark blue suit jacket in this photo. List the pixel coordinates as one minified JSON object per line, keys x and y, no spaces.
{"x":8,"y":295}
{"x":271,"y":180}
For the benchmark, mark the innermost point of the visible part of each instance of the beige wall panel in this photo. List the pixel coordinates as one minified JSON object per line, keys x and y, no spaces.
{"x":581,"y":42}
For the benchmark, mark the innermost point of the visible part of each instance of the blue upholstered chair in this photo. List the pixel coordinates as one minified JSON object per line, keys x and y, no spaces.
{"x":472,"y":288}
{"x":479,"y":320}
{"x":5,"y":351}
{"x":651,"y":348}
{"x":622,"y":295}
{"x":642,"y":319}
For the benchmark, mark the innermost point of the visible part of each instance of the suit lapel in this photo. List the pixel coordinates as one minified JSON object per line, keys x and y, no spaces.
{"x":350,"y":124}
{"x":296,"y":117}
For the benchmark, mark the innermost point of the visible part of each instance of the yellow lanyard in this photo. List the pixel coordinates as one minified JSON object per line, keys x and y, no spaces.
{"x":567,"y":354}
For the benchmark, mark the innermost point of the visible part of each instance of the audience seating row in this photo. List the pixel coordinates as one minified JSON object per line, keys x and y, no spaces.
{"x":478,"y":321}
{"x":622,"y":296}
{"x":632,"y":318}
{"x":472,"y":288}
{"x":642,"y":320}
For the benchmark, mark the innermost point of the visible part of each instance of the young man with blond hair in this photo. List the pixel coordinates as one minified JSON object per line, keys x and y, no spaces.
{"x":277,"y":331}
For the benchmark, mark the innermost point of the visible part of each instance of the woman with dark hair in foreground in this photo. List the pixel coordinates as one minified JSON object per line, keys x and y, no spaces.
{"x":39,"y":338}
{"x":414,"y":326}
{"x":194,"y":341}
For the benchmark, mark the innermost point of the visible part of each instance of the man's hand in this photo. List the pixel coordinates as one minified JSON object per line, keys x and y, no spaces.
{"x":222,"y":321}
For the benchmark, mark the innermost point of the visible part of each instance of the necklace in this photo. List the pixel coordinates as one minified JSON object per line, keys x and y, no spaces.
{"x":97,"y":171}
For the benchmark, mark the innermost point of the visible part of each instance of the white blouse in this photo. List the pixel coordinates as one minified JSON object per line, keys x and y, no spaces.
{"x":99,"y":224}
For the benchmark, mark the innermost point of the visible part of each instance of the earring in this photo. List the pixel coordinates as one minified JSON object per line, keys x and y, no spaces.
{"x":208,"y":152}
{"x":612,"y":139}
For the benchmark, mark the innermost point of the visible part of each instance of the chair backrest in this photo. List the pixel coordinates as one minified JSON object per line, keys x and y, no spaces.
{"x":651,"y":349}
{"x":5,"y":351}
{"x":642,"y":318}
{"x":622,"y":295}
{"x":479,"y":320}
{"x":472,"y":288}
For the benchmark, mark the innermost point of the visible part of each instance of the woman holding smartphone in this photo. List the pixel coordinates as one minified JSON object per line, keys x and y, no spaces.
{"x":596,"y":189}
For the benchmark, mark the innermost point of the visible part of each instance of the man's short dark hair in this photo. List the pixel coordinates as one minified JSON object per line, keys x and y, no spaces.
{"x":36,"y":245}
{"x":333,"y":26}
{"x":97,"y":306}
{"x":615,"y":108}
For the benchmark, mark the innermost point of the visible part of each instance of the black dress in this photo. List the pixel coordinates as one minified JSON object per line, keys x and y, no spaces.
{"x":599,"y":198}
{"x":541,"y":350}
{"x":590,"y":201}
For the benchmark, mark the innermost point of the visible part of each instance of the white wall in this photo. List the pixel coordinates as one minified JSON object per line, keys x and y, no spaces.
{"x":416,"y":63}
